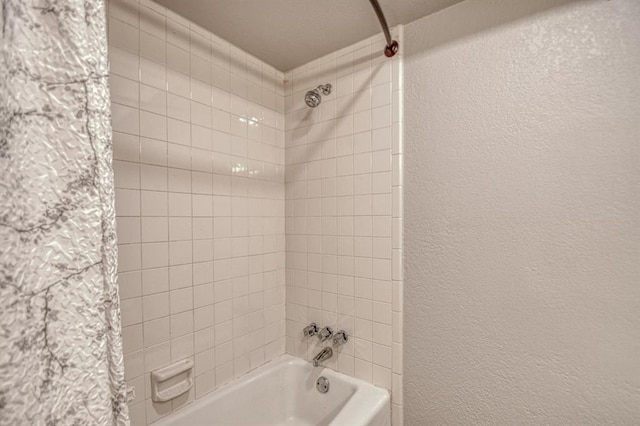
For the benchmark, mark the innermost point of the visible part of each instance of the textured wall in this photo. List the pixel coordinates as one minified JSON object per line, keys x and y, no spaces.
{"x":521,"y":214}
{"x":199,"y":175}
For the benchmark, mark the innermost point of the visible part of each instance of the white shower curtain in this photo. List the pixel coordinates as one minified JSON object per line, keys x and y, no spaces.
{"x":60,"y":339}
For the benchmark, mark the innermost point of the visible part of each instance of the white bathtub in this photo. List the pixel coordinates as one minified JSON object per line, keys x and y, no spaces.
{"x":283,"y":392}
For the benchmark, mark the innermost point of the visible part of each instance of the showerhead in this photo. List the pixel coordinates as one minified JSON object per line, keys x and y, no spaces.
{"x":313,"y":98}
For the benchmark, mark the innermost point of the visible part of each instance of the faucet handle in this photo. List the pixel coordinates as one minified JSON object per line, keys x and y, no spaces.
{"x":325,"y":334}
{"x":310,"y":330}
{"x":340,"y":338}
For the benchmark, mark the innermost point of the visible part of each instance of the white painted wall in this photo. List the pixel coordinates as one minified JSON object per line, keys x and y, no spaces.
{"x":522,"y":207}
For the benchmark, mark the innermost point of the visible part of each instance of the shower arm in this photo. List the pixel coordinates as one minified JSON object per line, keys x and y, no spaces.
{"x":392,"y":46}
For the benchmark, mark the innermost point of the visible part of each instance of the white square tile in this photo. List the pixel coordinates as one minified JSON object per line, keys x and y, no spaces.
{"x":154,"y":255}
{"x":202,"y":228}
{"x":182,"y":347}
{"x":130,"y":284}
{"x":381,"y":117}
{"x":362,"y":163}
{"x":202,"y":205}
{"x":127,"y":202}
{"x":155,"y":306}
{"x":179,"y":156}
{"x":178,"y":107}
{"x":178,"y":132}
{"x":131,"y":312}
{"x":153,"y":74}
{"x":381,"y":182}
{"x":126,"y":147}
{"x":179,"y":204}
{"x":180,"y":276}
{"x":180,"y":252}
{"x":155,"y":281}
{"x":200,"y":69}
{"x":177,"y":34}
{"x":123,"y":35}
{"x":205,"y":383}
{"x":203,"y":295}
{"x":128,"y":229}
{"x":132,"y":338}
{"x":151,"y":20}
{"x":155,"y":229}
{"x":203,"y":317}
{"x":362,"y":121}
{"x":124,"y":11}
{"x":153,"y":178}
{"x":201,"y":138}
{"x":200,"y":114}
{"x":153,"y":48}
{"x":153,"y":125}
{"x":202,"y":271}
{"x":125,"y":119}
{"x":180,"y":228}
{"x":382,"y":313}
{"x":363,"y":370}
{"x":381,"y":161}
{"x":153,"y":151}
{"x":178,"y":83}
{"x":181,"y":324}
{"x":134,"y":365}
{"x":201,"y":183}
{"x":181,"y":300}
{"x":153,"y":100}
{"x":156,"y":357}
{"x":201,"y":91}
{"x":381,"y":376}
{"x":123,"y":90}
{"x":154,"y":203}
{"x":123,"y":63}
{"x":202,"y":250}
{"x":178,"y":59}
{"x":156,"y":331}
{"x":381,"y":95}
{"x":126,"y":175}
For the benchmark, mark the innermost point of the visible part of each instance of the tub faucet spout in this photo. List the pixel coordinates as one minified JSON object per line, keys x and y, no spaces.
{"x":323,"y":355}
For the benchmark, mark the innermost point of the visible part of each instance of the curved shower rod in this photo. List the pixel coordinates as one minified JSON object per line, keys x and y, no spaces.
{"x":392,"y":46}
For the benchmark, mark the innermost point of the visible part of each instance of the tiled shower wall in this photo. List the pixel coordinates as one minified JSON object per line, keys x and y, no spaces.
{"x":199,"y":171}
{"x":344,"y":211}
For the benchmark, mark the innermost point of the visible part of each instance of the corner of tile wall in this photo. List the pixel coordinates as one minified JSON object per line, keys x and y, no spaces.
{"x":220,"y":167}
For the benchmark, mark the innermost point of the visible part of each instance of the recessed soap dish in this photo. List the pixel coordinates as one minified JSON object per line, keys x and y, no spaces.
{"x":164,"y":374}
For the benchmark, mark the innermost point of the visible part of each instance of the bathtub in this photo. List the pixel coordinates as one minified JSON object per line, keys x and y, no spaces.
{"x":283,"y":392}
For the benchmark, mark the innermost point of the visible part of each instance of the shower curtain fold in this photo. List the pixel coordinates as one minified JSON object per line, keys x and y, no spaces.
{"x":61,"y":358}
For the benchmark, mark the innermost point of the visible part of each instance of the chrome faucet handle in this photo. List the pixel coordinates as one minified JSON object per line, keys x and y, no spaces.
{"x":325,"y":334}
{"x":340,"y":338}
{"x":310,"y":330}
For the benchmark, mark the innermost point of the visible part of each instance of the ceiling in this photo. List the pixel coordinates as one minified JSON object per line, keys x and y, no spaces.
{"x":290,"y":33}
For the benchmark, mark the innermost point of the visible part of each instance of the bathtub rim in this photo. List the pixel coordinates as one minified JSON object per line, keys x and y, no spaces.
{"x":360,"y":409}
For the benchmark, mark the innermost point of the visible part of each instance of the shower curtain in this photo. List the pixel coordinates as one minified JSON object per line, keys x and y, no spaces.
{"x":60,"y":340}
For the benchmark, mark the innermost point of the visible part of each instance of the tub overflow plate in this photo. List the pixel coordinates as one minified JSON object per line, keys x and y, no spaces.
{"x":322,"y":384}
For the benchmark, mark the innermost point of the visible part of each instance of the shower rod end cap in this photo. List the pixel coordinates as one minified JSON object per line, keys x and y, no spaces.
{"x":391,"y":49}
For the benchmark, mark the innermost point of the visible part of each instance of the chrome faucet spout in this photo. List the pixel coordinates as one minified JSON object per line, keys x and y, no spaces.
{"x":323,"y":355}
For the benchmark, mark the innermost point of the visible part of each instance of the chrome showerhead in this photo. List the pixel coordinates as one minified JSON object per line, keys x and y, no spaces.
{"x":313,"y":98}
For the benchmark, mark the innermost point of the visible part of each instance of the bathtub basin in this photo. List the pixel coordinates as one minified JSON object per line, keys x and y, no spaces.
{"x":283,"y":392}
